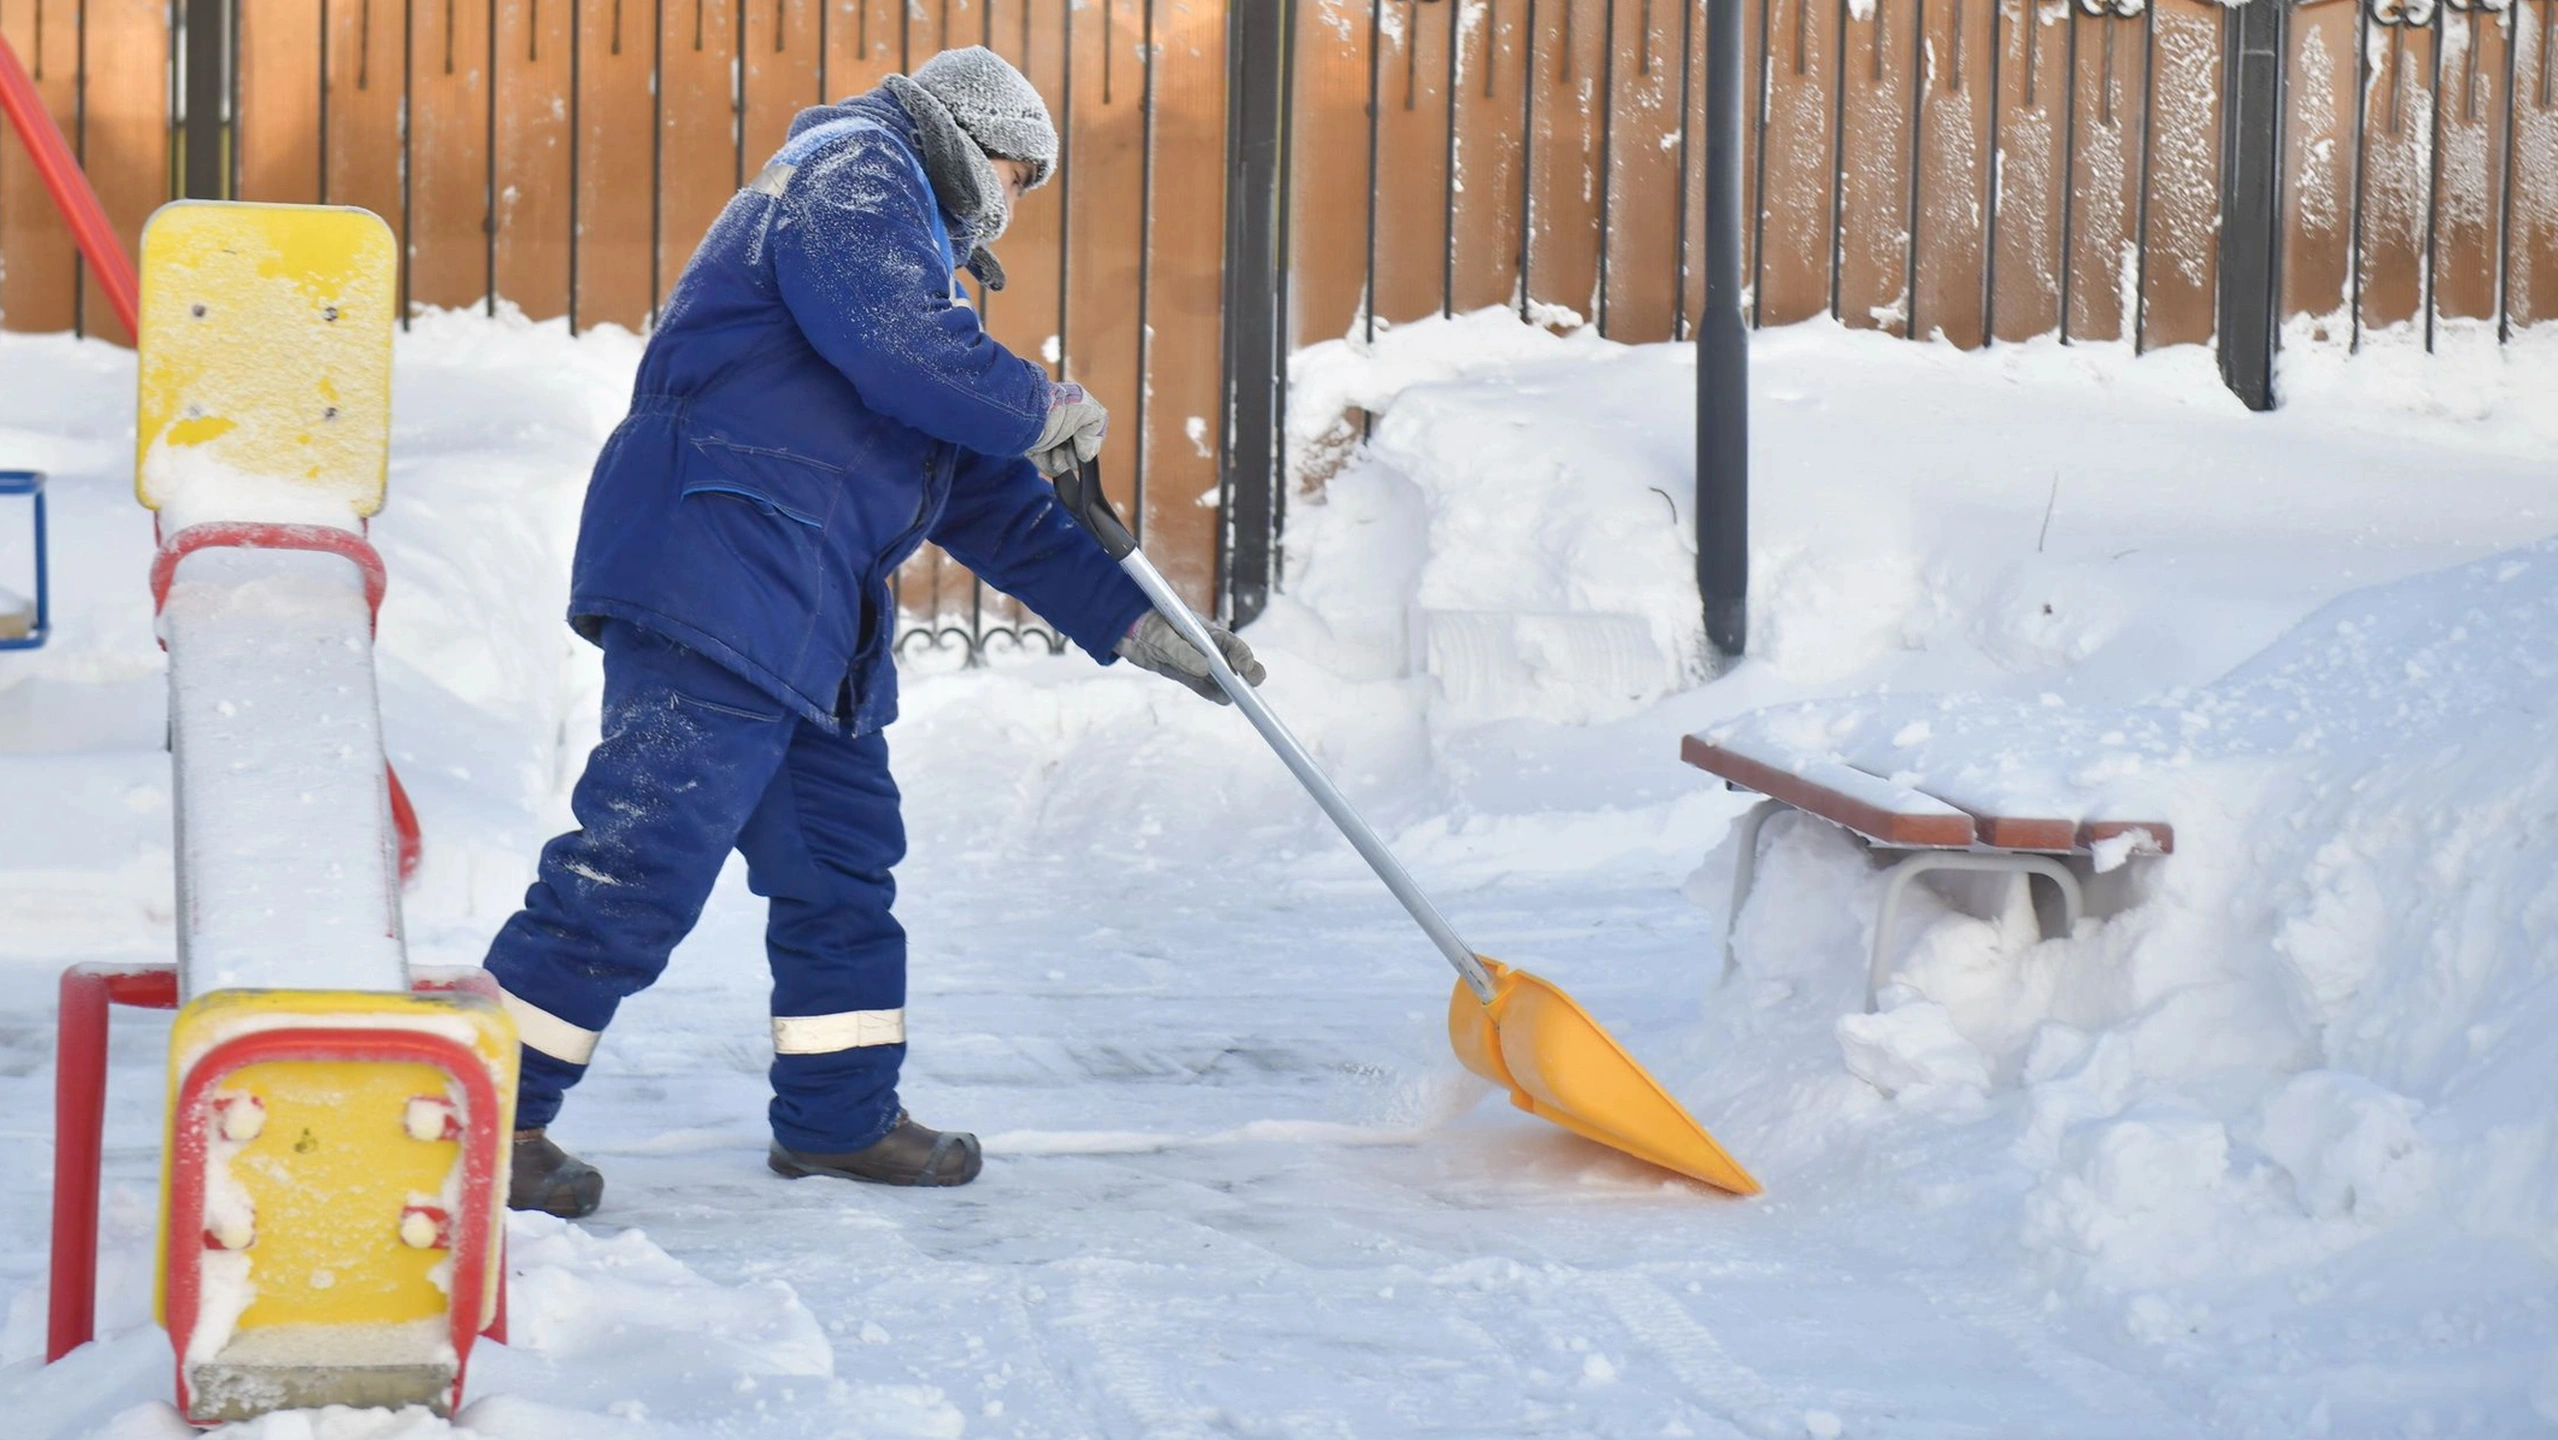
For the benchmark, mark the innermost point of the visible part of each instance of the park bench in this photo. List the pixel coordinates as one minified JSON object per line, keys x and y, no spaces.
{"x":1933,"y":832}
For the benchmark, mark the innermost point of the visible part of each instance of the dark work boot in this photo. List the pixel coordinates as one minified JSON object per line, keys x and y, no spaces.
{"x":909,"y":1154}
{"x":548,"y":1178}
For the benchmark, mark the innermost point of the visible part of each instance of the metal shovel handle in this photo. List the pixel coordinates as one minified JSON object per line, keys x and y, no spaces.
{"x":1080,"y":490}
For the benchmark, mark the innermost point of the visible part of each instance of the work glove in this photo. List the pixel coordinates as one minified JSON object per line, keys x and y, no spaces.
{"x":1152,"y":644}
{"x":1076,"y":426}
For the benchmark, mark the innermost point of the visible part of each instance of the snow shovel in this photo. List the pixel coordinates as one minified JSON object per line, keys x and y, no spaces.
{"x":1508,"y":1026}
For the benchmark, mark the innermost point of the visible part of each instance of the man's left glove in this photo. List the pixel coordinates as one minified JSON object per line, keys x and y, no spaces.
{"x":1152,"y":644}
{"x":1075,"y":428}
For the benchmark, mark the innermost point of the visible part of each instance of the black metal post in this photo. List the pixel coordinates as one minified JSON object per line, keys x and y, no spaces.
{"x":1723,"y":354}
{"x":2252,"y":202}
{"x":207,"y":87}
{"x":1250,"y":488}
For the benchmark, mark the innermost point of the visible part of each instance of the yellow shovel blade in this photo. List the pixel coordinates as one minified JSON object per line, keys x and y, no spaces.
{"x":1560,"y":1065}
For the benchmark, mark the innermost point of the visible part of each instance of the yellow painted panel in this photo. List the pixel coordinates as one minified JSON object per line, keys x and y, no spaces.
{"x":265,"y":360}
{"x":324,"y":1179}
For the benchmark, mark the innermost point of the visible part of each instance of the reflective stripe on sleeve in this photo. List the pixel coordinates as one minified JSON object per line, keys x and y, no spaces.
{"x":548,"y":1033}
{"x":826,"y":1034}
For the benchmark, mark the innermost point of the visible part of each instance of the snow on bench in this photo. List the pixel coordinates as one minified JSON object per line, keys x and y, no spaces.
{"x":287,"y":880}
{"x":1890,"y":815}
{"x":1968,"y":821}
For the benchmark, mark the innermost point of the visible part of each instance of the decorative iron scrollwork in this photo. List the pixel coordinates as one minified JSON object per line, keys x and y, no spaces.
{"x":977,"y":641}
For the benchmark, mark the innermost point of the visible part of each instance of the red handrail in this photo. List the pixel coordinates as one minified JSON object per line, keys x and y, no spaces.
{"x":70,"y":189}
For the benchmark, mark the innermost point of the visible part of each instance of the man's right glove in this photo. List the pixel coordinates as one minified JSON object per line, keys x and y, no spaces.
{"x":1077,"y":424}
{"x":1152,"y":644}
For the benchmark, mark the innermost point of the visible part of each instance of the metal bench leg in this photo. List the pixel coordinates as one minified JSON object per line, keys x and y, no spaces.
{"x":2028,"y":867}
{"x":1745,"y":873}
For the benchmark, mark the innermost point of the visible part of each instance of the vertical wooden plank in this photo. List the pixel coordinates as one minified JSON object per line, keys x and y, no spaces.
{"x":276,"y":130}
{"x":861,"y":45}
{"x":1791,"y":276}
{"x":2104,"y":182}
{"x":1185,"y":256}
{"x":1874,"y":216}
{"x":449,"y":220}
{"x":616,"y":193}
{"x":363,"y":91}
{"x":1491,"y":69}
{"x":39,"y":264}
{"x":2397,"y":174}
{"x":2033,"y":105}
{"x":1412,"y":170}
{"x":1563,"y":215}
{"x":698,"y":165}
{"x":2183,"y":265}
{"x":1954,"y":126}
{"x":933,"y":26}
{"x":1104,"y":131}
{"x":1328,"y":179}
{"x":2469,"y":164}
{"x":2319,"y":142}
{"x":124,"y":140}
{"x":1641,"y":186}
{"x":2531,"y":242}
{"x":781,"y":72}
{"x":534,"y":197}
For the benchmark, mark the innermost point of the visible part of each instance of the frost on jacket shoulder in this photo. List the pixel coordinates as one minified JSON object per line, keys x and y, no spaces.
{"x":863,"y":256}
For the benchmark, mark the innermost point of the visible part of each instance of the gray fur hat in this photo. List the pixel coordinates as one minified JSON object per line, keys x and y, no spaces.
{"x":996,"y":105}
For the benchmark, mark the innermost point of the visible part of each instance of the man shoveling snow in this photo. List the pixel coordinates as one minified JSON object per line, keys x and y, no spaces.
{"x":817,"y":401}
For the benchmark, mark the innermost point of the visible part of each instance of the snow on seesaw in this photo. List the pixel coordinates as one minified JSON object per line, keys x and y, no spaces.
{"x":2265,"y":1150}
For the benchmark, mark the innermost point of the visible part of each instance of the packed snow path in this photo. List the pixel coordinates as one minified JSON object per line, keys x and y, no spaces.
{"x":1236,"y":1185}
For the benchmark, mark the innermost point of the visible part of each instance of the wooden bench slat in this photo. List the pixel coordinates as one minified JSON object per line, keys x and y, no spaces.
{"x":2050,"y":834}
{"x":1888,"y":814}
{"x":2027,"y":832}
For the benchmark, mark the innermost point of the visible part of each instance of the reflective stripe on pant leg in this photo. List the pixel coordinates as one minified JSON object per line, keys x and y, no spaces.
{"x":541,"y":1030}
{"x":848,"y":1030}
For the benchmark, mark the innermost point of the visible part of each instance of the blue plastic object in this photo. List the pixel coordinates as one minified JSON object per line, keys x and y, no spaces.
{"x":30,"y":483}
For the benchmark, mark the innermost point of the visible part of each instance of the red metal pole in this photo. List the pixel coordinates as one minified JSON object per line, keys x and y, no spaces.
{"x":79,"y":1126}
{"x":62,"y":176}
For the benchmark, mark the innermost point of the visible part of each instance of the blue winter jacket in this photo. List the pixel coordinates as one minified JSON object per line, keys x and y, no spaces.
{"x":817,"y":401}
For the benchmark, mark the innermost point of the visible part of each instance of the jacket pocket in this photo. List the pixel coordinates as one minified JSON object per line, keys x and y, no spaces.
{"x":780,"y":483}
{"x":755,"y":498}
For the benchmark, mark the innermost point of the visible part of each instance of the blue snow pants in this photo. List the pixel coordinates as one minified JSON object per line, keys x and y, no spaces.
{"x":694,"y":762}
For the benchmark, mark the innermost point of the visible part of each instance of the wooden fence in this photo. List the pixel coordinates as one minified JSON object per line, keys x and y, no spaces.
{"x":1980,"y":170}
{"x":1459,"y":153}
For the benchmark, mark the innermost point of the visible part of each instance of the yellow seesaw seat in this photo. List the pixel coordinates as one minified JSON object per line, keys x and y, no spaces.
{"x":333,"y":1197}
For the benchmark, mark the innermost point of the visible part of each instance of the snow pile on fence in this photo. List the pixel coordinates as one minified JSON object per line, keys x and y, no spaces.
{"x":1529,"y":568}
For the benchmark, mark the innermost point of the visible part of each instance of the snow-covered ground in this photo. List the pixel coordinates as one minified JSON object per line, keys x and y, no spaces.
{"x":2268,"y":1150}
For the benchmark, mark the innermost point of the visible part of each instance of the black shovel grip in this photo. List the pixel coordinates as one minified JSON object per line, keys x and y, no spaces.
{"x":1079,"y":490}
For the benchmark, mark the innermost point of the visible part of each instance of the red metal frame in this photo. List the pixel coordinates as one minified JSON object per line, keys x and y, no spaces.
{"x":320,"y":539}
{"x":70,"y":188}
{"x":79,"y":1128}
{"x":261,"y":535}
{"x":192,"y":1123}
